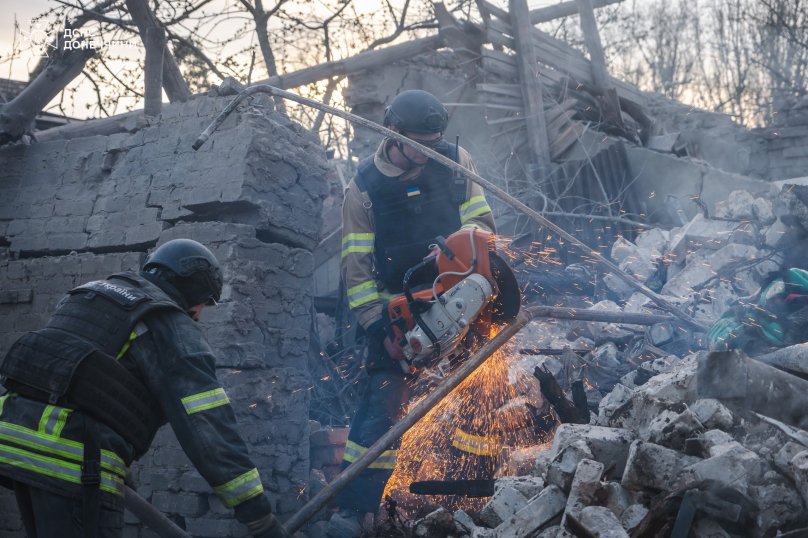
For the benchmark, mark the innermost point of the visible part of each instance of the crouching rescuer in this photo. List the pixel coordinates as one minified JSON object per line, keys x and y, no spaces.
{"x":86,"y":394}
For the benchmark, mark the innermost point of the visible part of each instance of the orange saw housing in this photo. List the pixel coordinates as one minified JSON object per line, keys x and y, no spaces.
{"x":466,"y":251}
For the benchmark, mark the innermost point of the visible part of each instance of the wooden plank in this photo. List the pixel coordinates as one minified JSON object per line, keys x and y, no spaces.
{"x":597,"y":59}
{"x":511,"y":90}
{"x":494,"y":99}
{"x":360,"y":62}
{"x":566,"y":140}
{"x":486,"y":105}
{"x":498,"y":63}
{"x":543,"y":14}
{"x":528,"y":67}
{"x":600,"y":75}
{"x":556,"y":54}
{"x":564,"y":9}
{"x":500,"y":121}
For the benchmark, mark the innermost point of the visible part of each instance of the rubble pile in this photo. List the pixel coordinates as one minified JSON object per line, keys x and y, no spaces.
{"x":656,"y":458}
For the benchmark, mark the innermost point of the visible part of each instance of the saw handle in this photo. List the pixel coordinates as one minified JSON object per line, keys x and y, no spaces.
{"x":440,"y":241}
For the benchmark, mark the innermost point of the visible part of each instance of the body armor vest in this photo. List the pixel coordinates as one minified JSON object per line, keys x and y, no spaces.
{"x":71,"y":361}
{"x":409,"y":215}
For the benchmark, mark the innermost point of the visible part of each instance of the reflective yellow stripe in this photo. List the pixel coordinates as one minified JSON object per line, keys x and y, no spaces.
{"x":475,"y":444}
{"x":476,"y":206}
{"x":205,"y":400}
{"x":358,"y":243}
{"x":53,"y":444}
{"x":53,"y":420}
{"x":55,"y":468}
{"x":387,"y":459}
{"x":240,"y":489}
{"x":362,"y":293}
{"x":126,"y":346}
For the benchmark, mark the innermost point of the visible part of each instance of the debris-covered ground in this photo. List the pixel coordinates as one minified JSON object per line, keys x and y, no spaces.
{"x":655,"y":458}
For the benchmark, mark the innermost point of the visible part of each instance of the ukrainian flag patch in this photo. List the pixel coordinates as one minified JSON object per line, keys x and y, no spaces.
{"x":413,"y":191}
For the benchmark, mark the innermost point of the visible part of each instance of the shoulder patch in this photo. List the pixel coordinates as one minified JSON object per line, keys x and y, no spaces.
{"x":126,"y":297}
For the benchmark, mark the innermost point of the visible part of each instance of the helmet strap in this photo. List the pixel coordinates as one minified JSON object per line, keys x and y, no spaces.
{"x":400,"y":147}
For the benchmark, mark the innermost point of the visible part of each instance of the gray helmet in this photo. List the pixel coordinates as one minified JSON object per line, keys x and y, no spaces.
{"x":190,"y":267}
{"x":416,"y":111}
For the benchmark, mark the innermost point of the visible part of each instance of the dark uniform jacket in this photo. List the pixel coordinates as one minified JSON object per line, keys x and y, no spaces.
{"x":42,"y":445}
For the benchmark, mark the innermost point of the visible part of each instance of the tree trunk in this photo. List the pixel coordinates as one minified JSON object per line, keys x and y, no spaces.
{"x":17,"y":115}
{"x":173,"y":82}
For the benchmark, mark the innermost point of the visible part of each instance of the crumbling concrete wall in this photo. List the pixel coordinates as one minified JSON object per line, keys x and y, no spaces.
{"x":786,"y":141}
{"x":81,"y":209}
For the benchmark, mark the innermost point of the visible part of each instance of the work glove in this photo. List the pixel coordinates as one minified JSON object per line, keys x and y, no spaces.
{"x":378,"y":331}
{"x":267,"y":527}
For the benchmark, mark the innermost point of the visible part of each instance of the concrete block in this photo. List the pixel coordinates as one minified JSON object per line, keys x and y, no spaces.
{"x":700,"y":232}
{"x":213,"y":528}
{"x":186,"y":504}
{"x":503,"y":505}
{"x":782,"y":460}
{"x":59,"y":242}
{"x":631,"y":518}
{"x":584,"y":489}
{"x":655,"y":239}
{"x":615,"y":497}
{"x":464,"y":522}
{"x":778,"y":505}
{"x":713,"y":438}
{"x":606,"y":444}
{"x":799,"y":470}
{"x":712,"y":414}
{"x":653,"y":466}
{"x":143,"y":234}
{"x":561,"y":470}
{"x":729,"y":465}
{"x":739,"y":205}
{"x":536,"y":513}
{"x":529,"y":486}
{"x":437,"y":523}
{"x":619,"y":396}
{"x":731,"y":254}
{"x":671,"y":429}
{"x":601,"y":522}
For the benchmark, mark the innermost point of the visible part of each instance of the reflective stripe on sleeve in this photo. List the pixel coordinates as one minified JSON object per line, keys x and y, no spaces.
{"x":240,"y":489}
{"x":475,"y":444}
{"x":475,"y":207}
{"x":358,"y":243}
{"x":205,"y":400}
{"x":362,"y":293}
{"x":387,"y":459}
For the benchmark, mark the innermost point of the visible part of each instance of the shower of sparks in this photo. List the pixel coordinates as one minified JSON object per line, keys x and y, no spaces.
{"x":486,"y":405}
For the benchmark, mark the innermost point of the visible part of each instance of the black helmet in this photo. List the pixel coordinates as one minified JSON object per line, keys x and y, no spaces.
{"x":416,"y":111}
{"x":190,"y":267}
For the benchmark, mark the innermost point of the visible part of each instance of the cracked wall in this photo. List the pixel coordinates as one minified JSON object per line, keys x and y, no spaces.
{"x":81,"y":209}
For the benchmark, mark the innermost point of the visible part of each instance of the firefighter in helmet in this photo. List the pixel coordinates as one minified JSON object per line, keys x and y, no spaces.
{"x":87,"y":393}
{"x":395,"y":207}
